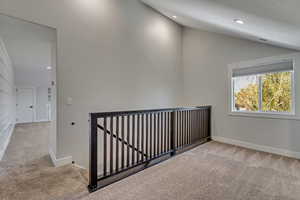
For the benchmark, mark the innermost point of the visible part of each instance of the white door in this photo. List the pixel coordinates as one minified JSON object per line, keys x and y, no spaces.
{"x":25,"y":105}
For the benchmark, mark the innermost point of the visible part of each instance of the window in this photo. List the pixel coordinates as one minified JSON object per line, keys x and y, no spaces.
{"x":263,"y":89}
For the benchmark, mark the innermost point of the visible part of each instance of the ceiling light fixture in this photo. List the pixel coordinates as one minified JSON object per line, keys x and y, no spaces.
{"x":49,"y":68}
{"x":238,"y":21}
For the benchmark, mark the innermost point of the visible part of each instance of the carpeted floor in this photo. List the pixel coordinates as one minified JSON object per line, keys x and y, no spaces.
{"x":26,"y":171}
{"x":213,"y":171}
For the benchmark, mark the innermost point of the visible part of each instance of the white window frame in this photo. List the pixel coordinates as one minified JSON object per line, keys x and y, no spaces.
{"x":257,"y":63}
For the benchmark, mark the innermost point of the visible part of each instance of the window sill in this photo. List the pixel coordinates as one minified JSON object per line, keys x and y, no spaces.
{"x":265,"y":115}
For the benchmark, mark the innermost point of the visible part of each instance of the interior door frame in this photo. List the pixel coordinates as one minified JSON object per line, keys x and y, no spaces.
{"x":34,"y":103}
{"x":52,"y":143}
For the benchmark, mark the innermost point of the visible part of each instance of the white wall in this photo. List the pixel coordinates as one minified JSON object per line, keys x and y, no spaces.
{"x":7,"y":99}
{"x":205,"y":59}
{"x":112,"y":55}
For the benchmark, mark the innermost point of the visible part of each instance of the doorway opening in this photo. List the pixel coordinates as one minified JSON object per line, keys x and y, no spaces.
{"x":29,"y":80}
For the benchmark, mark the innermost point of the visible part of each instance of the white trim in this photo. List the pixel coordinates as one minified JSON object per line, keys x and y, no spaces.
{"x":254,"y":63}
{"x":2,"y":151}
{"x":268,"y":149}
{"x":43,"y":120}
{"x":80,"y":167}
{"x":60,"y":161}
{"x":264,"y":115}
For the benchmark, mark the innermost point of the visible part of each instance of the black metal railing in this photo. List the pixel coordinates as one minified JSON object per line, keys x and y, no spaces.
{"x":123,"y":143}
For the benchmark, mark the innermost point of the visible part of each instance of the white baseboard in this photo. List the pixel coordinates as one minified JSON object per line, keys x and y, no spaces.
{"x":79,"y":166}
{"x":61,"y":161}
{"x":268,"y":149}
{"x":7,"y":140}
{"x":36,"y":121}
{"x":43,"y":120}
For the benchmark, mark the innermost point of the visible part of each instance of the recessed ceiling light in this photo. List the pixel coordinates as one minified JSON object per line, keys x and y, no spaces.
{"x":174,"y":16}
{"x":238,"y":21}
{"x":49,"y":68}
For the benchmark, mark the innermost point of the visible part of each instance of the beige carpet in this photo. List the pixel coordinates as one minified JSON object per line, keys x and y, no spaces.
{"x":26,"y":171}
{"x":212,"y":171}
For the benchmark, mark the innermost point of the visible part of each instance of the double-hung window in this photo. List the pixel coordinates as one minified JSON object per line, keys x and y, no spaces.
{"x":266,"y":88}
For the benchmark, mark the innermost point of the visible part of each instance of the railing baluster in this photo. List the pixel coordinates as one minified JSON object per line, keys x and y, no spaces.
{"x":169,"y":129}
{"x":151,"y":128}
{"x":147,"y":136}
{"x":209,"y":122}
{"x":181,"y":128}
{"x":165,"y":132}
{"x":111,"y":145}
{"x":198,"y":123}
{"x":117,"y":143}
{"x":190,"y":127}
{"x":128,"y":140}
{"x":186,"y":128}
{"x":158,"y":133}
{"x":133,"y":140}
{"x":200,"y":120}
{"x":206,"y":124}
{"x":177,"y":129}
{"x":195,"y":116}
{"x":193,"y":126}
{"x":161,"y":132}
{"x":201,"y":125}
{"x":105,"y":147}
{"x":123,"y":142}
{"x":154,"y":148}
{"x":173,"y":136}
{"x":162,"y":124}
{"x":143,"y":135}
{"x":138,"y":138}
{"x":197,"y":132}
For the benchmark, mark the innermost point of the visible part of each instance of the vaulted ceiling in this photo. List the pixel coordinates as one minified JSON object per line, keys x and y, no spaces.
{"x":276,"y":21}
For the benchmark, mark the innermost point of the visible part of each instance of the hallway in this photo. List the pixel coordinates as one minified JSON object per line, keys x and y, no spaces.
{"x":26,"y":171}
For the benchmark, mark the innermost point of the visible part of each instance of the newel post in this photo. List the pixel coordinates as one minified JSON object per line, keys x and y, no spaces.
{"x":93,"y":173}
{"x":173,"y":133}
{"x":209,"y":122}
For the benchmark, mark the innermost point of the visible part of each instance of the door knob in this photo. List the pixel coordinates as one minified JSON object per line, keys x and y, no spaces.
{"x":31,"y":107}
